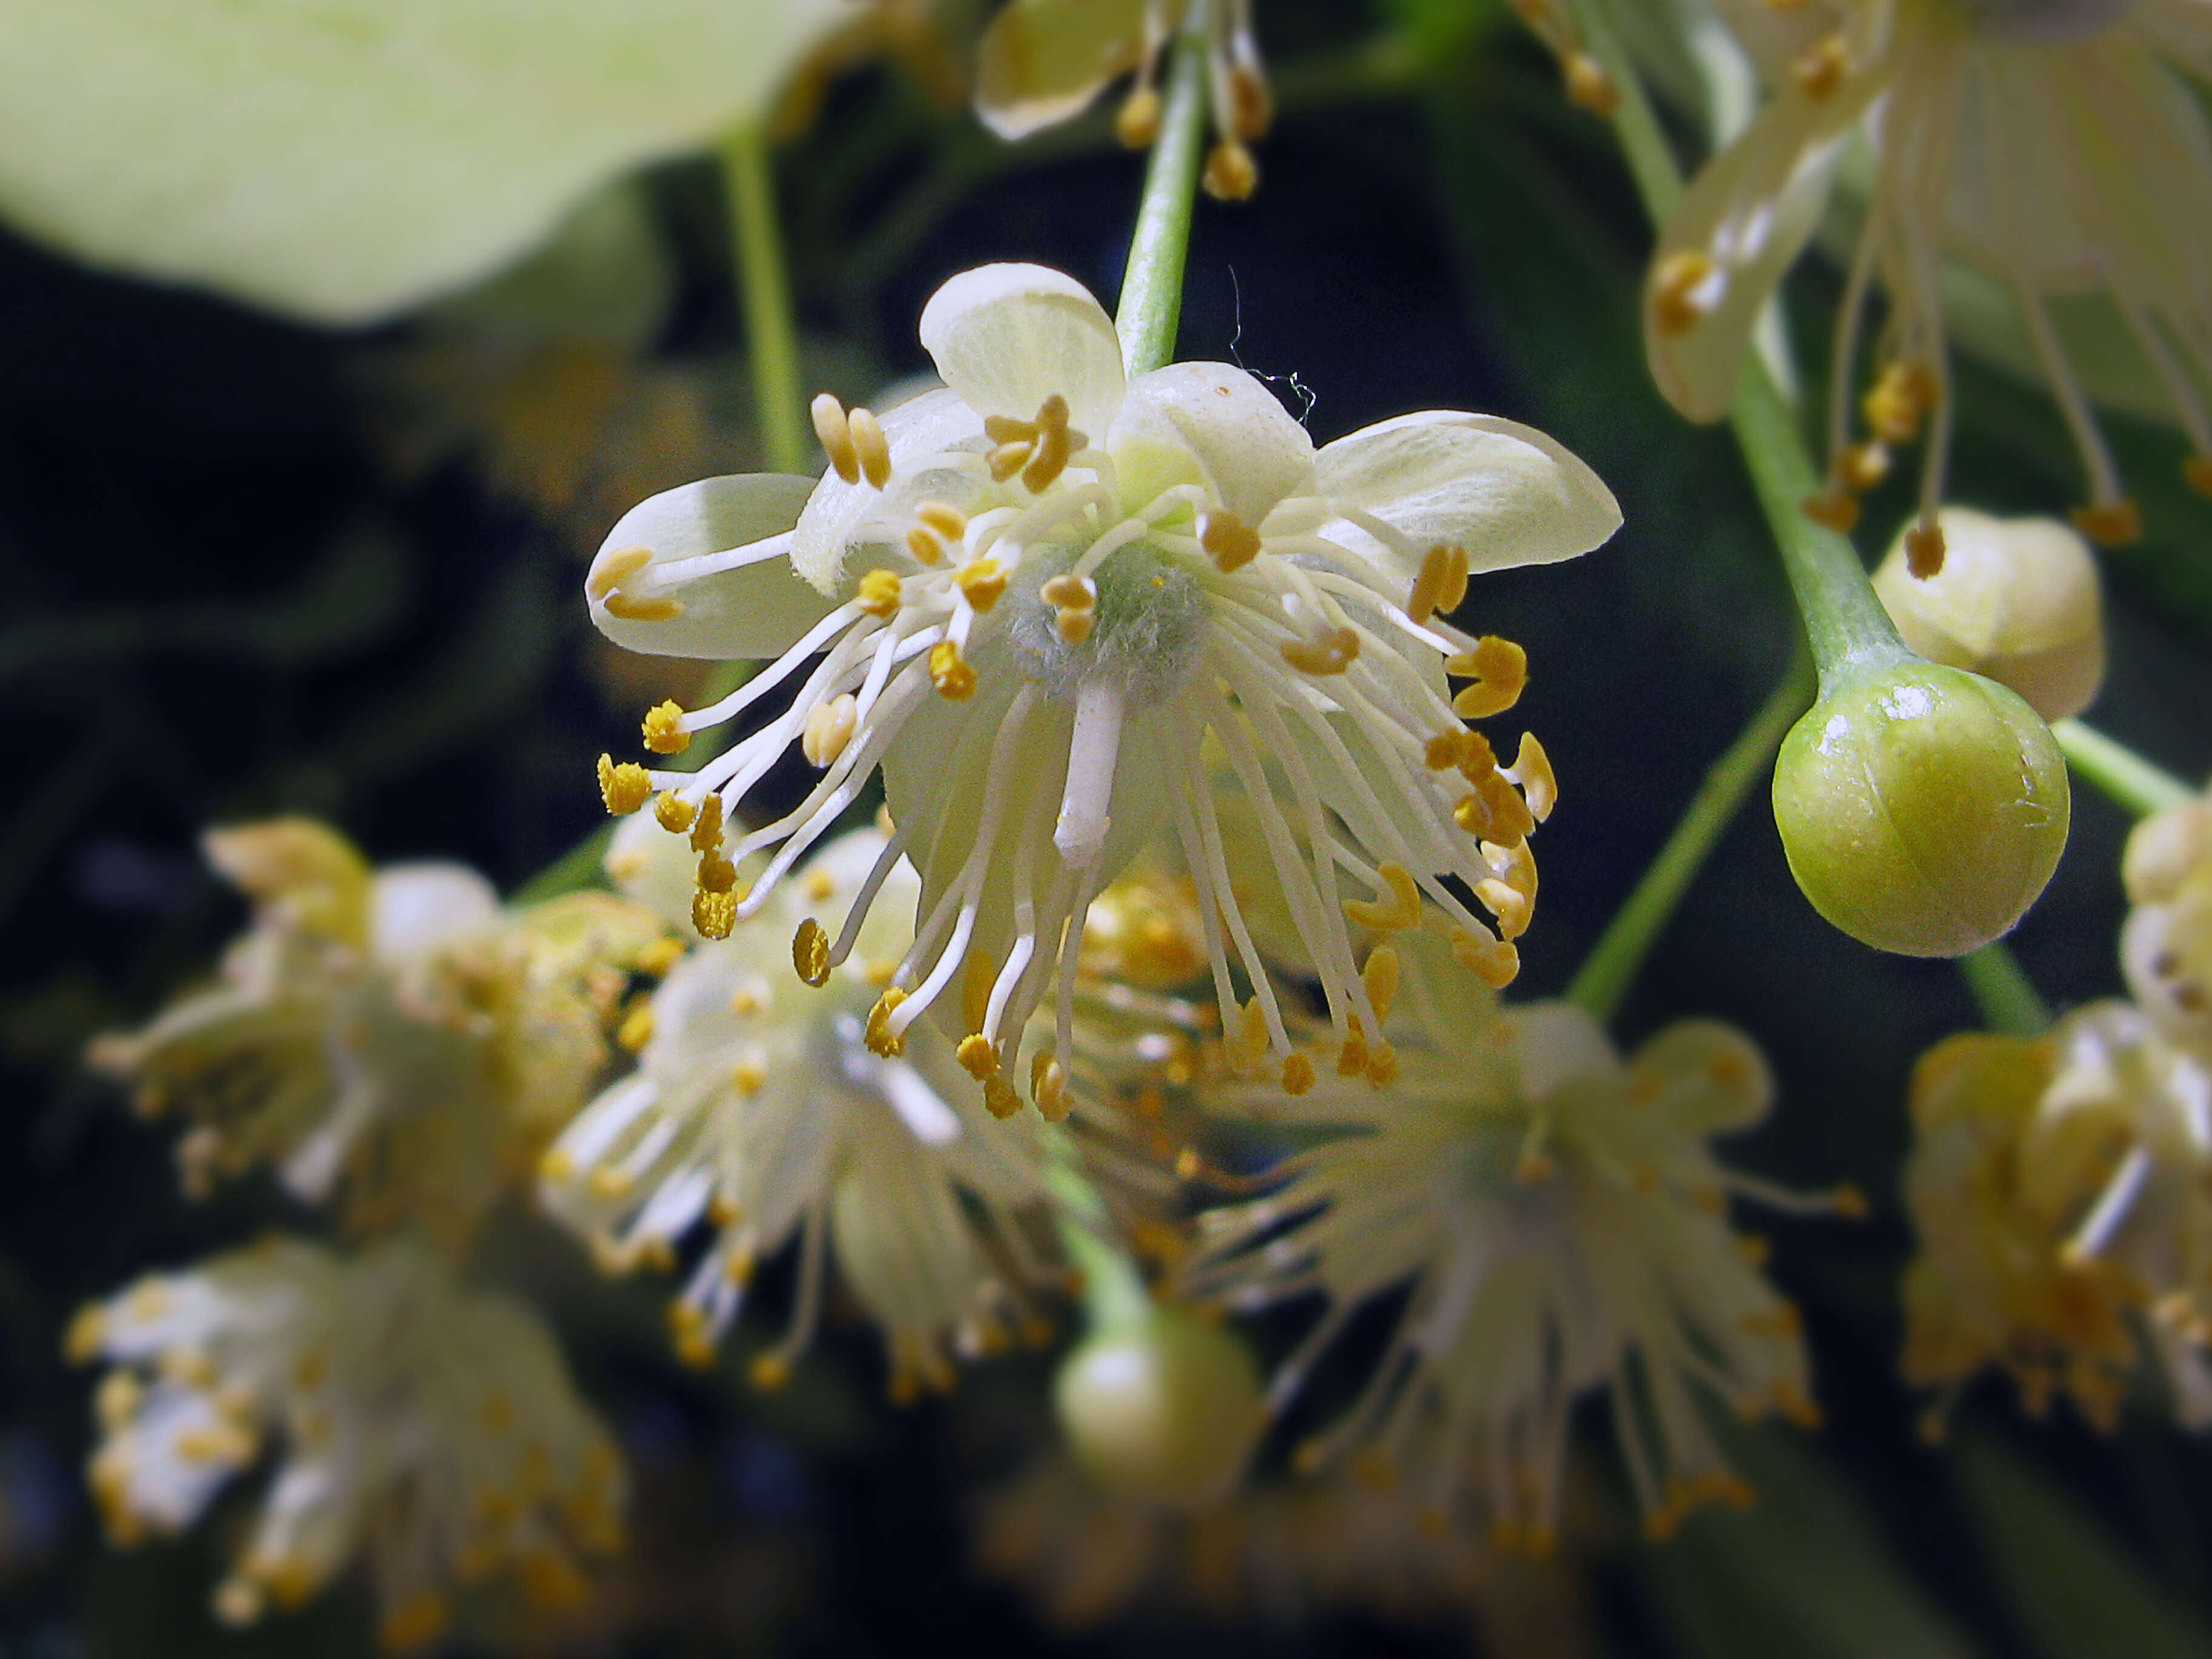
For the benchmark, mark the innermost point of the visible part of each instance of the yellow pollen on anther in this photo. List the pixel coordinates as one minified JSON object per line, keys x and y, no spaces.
{"x":636,"y":1028}
{"x":999,"y":1097}
{"x":810,"y":952}
{"x":1441,"y":585}
{"x":1401,"y":910}
{"x":978,"y":1056}
{"x":2110,"y":523}
{"x":1837,"y":511}
{"x":1137,"y":123}
{"x":1297,"y":1075}
{"x":1232,"y":174}
{"x":1925,"y":549}
{"x":1589,"y":86}
{"x":1532,"y":770}
{"x":829,"y":728}
{"x":1380,"y":977}
{"x":942,"y":518}
{"x":747,"y":1076}
{"x":673,"y":812}
{"x":836,"y":432}
{"x":879,"y":594}
{"x":1678,"y":300}
{"x":1862,"y":467}
{"x":924,"y":544}
{"x":613,"y":567}
{"x":623,"y":786}
{"x":870,"y":447}
{"x":1448,"y":748}
{"x":882,"y":1039}
{"x":981,"y":581}
{"x":954,"y":679}
{"x":1330,"y":653}
{"x":1229,"y":541}
{"x":630,"y":609}
{"x":1820,"y":68}
{"x":1047,"y":1087}
{"x":716,"y":873}
{"x":714,"y":914}
{"x":707,"y":828}
{"x":1490,"y":959}
{"x":1900,"y":400}
{"x":1498,"y":668}
{"x":664,"y":729}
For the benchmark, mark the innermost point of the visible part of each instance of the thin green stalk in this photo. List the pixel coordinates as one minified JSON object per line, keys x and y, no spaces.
{"x":1114,"y":1293}
{"x":1151,"y":286}
{"x":2001,"y":989}
{"x":764,"y":293}
{"x":2117,"y":771}
{"x":1621,"y":952}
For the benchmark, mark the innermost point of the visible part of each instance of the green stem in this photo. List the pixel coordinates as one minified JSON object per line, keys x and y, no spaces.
{"x":1848,"y":630}
{"x":764,"y":291}
{"x":2001,"y":989}
{"x":1621,"y":952}
{"x":2117,"y":771}
{"x":1114,"y":1293}
{"x":1151,"y":286}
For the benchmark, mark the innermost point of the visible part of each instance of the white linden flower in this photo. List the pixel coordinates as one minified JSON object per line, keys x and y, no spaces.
{"x":761,"y":1106}
{"x":1039,"y":598}
{"x":2056,"y":145}
{"x":393,"y":1037}
{"x":1563,"y":1229}
{"x":2166,"y":945}
{"x":429,"y":1428}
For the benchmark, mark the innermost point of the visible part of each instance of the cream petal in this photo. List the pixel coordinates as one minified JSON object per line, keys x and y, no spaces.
{"x":1251,"y":453}
{"x":1505,"y":492}
{"x":840,"y":517}
{"x":752,"y":611}
{"x":1042,"y":61}
{"x":1007,"y":337}
{"x":415,"y":907}
{"x":1720,"y":1080}
{"x":1750,"y":213}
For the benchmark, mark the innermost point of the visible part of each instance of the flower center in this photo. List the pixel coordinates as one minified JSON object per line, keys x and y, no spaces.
{"x":1148,"y":619}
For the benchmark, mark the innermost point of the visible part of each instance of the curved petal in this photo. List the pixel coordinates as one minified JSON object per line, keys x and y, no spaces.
{"x":1507,"y":493}
{"x":1748,"y":216}
{"x":415,"y":907}
{"x":1007,"y":338}
{"x":840,"y":517}
{"x":749,"y":610}
{"x":1251,"y":451}
{"x":1042,"y":61}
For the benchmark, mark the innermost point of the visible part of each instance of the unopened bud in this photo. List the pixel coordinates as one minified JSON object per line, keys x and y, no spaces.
{"x":1921,"y":809}
{"x":2017,"y":600}
{"x":1166,"y":1410}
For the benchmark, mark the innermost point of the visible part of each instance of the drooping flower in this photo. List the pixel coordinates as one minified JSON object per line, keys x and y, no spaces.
{"x":2046,"y":142}
{"x":393,"y":1034}
{"x":1040,"y":599}
{"x":1043,"y":61}
{"x":2058,"y":1188}
{"x":426,"y":1429}
{"x":2166,"y":945}
{"x":761,"y":1108}
{"x":1562,"y":1226}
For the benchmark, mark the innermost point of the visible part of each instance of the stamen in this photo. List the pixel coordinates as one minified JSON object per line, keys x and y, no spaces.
{"x":1685,"y":287}
{"x":625,"y":786}
{"x":880,"y":594}
{"x":613,"y":567}
{"x":954,"y":679}
{"x":1483,"y":954}
{"x":1074,"y":599}
{"x":869,"y":447}
{"x":1137,"y":125}
{"x":715,"y":915}
{"x":836,"y":432}
{"x":1441,"y":586}
{"x":1332,"y":652}
{"x":707,"y":828}
{"x":982,"y":582}
{"x":2110,"y":523}
{"x":1232,"y":174}
{"x":1380,"y":975}
{"x":1822,"y":67}
{"x":674,"y":812}
{"x":1498,"y":668}
{"x":1400,"y":911}
{"x":882,"y":1039}
{"x":664,"y":729}
{"x":629,"y":608}
{"x":810,"y":952}
{"x":1925,"y":549}
{"x":1047,"y":1087}
{"x":829,"y":728}
{"x":942,"y":518}
{"x":1229,"y":541}
{"x":1532,"y":770}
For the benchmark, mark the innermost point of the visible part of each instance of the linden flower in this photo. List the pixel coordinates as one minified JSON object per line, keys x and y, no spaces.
{"x":760,"y":1107}
{"x":2047,"y":142}
{"x":427,"y":1427}
{"x":1040,"y":598}
{"x":1563,"y":1228}
{"x":2056,"y":1185}
{"x":394,"y":1031}
{"x":2166,"y":945}
{"x":1043,"y":61}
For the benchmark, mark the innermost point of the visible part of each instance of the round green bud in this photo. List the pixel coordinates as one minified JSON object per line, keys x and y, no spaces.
{"x":1922,"y":808}
{"x":1166,"y":1410}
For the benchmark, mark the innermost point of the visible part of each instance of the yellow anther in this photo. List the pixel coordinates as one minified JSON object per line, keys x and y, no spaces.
{"x":1490,"y":959}
{"x":1049,"y":1087}
{"x":2110,"y":523}
{"x":1297,"y":1075}
{"x":745,"y":1000}
{"x":942,"y":518}
{"x":870,"y":447}
{"x":836,"y":432}
{"x":1684,"y":290}
{"x":1351,"y":1058}
{"x":1054,"y":445}
{"x":1441,"y":585}
{"x":663,"y":730}
{"x":1252,"y":1038}
{"x":1820,"y":68}
{"x":707,"y":827}
{"x":1331,"y":651}
{"x":716,"y":873}
{"x":714,"y":914}
{"x":820,"y":885}
{"x":661,"y":955}
{"x":1229,"y":541}
{"x":879,"y":594}
{"x":1137,"y":122}
{"x":636,"y":1029}
{"x":926,"y":548}
{"x":1382,"y":1065}
{"x":660,"y":608}
{"x":1513,"y":909}
{"x":1532,"y":770}
{"x":1837,"y":511}
{"x":1498,"y":668}
{"x":810,"y":952}
{"x":1399,"y":911}
{"x":882,"y":1039}
{"x":954,"y":679}
{"x":1589,"y":86}
{"x":1009,"y":459}
{"x":1232,"y":174}
{"x":1251,"y":105}
{"x":982,"y":581}
{"x":673,"y":812}
{"x":747,"y":1077}
{"x":1068,"y":591}
{"x":1925,"y":549}
{"x":2197,"y":473}
{"x":1380,"y":977}
{"x":1899,"y":399}
{"x":624,"y":787}
{"x":556,"y":1166}
{"x":609,"y":1181}
{"x":828,"y":728}
{"x":999,"y":1097}
{"x":1494,"y":811}
{"x":614,"y":567}
{"x":1448,"y":749}
{"x":1862,"y":467}
{"x":978,"y":1056}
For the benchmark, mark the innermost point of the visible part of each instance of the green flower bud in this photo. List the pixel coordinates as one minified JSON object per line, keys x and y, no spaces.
{"x":1922,"y":808}
{"x":2017,"y":600}
{"x":1166,"y":1410}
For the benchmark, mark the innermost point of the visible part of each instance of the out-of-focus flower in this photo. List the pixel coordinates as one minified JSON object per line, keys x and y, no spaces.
{"x":2167,"y":945}
{"x":429,"y":1429}
{"x":348,"y":163}
{"x":1042,"y":61}
{"x":1588,"y":83}
{"x":761,"y":1106}
{"x":2043,"y":142}
{"x":1563,"y":1228}
{"x":1048,"y":592}
{"x":1163,"y":1408}
{"x":393,"y":1033}
{"x":2017,"y":600}
{"x":2058,"y":1188}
